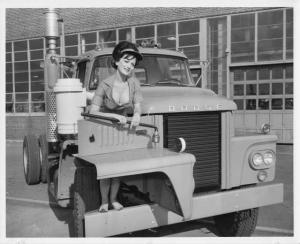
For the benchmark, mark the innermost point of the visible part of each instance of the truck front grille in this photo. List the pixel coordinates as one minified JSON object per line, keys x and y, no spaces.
{"x":202,"y":133}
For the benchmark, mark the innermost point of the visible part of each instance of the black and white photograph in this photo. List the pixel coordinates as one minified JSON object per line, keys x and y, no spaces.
{"x":149,"y":123}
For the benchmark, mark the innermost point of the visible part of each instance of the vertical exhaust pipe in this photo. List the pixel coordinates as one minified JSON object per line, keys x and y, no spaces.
{"x":51,"y":35}
{"x":51,"y":74}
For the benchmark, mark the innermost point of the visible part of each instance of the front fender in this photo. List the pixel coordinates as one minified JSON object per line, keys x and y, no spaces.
{"x":240,"y":172}
{"x":178,"y":167}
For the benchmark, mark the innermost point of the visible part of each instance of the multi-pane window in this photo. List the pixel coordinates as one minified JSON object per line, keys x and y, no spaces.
{"x":217,"y":42}
{"x":125,"y":34}
{"x":24,"y":76}
{"x":9,"y":79}
{"x":289,"y":33}
{"x":188,"y":38}
{"x":262,"y":36}
{"x":107,"y":38}
{"x":88,"y":41}
{"x":166,"y":35}
{"x":71,"y":45}
{"x":242,"y":38}
{"x":37,"y":83}
{"x":270,"y":35}
{"x":144,"y":34}
{"x":21,"y":76}
{"x":264,"y":87}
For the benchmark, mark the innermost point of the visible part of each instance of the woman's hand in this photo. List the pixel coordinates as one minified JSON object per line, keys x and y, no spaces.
{"x":122,"y":119}
{"x":135,"y":120}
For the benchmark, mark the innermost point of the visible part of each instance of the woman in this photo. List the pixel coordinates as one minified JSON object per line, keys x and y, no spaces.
{"x":115,"y":97}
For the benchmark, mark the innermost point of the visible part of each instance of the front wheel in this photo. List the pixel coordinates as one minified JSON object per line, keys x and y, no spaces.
{"x":241,"y":223}
{"x":86,"y":196}
{"x":31,"y":160}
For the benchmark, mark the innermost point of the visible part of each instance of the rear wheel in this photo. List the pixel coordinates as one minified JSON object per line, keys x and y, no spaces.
{"x":86,"y":196}
{"x":241,"y":223}
{"x":43,"y":153}
{"x":31,"y":160}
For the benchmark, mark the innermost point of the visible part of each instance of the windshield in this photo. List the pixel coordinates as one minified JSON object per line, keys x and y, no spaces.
{"x":153,"y":70}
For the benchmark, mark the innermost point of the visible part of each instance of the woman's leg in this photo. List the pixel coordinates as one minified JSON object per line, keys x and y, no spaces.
{"x":104,"y":190}
{"x":115,"y":184}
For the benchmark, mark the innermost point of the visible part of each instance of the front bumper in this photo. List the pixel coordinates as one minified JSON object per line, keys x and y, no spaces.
{"x":206,"y":205}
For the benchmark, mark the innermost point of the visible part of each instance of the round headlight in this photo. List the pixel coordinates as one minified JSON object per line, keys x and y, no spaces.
{"x":268,"y":158}
{"x":257,"y":159}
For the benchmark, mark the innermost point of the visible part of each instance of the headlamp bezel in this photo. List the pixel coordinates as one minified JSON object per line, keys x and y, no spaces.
{"x":264,"y":164}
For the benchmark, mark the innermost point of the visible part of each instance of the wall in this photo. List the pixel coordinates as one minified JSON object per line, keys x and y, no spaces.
{"x":18,"y":126}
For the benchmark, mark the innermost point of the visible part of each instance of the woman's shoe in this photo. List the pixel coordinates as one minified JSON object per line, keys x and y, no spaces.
{"x":117,"y":206}
{"x":103,"y":208}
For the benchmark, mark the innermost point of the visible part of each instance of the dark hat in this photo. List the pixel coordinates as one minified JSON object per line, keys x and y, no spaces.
{"x":135,"y":53}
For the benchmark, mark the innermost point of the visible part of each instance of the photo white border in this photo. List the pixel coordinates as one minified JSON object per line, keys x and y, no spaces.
{"x":162,"y":3}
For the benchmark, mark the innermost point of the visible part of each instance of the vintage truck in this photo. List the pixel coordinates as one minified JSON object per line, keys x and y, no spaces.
{"x":182,"y":163}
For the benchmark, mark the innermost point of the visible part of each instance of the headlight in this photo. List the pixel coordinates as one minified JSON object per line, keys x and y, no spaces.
{"x":262,"y":159}
{"x":269,"y":158}
{"x":257,"y":159}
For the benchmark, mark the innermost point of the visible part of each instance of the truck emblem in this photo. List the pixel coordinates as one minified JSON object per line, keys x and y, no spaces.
{"x":181,"y":108}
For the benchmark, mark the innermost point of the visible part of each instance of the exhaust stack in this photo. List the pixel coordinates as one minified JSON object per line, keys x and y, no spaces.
{"x":51,"y":35}
{"x":51,"y":74}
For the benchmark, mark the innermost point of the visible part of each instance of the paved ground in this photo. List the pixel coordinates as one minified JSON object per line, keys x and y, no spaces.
{"x":30,"y":213}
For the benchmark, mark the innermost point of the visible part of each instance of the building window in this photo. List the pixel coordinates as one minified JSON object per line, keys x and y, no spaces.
{"x":264,"y":104}
{"x":272,"y":90}
{"x":264,"y":89}
{"x":88,"y":41}
{"x":270,"y":35}
{"x":289,"y":103}
{"x":242,"y":38}
{"x":239,"y":104}
{"x":71,"y":45}
{"x":24,"y":76}
{"x":277,"y":104}
{"x":217,"y":42}
{"x":188,"y":38}
{"x":238,"y":90}
{"x":144,"y":34}
{"x":107,"y":38}
{"x":166,"y":35}
{"x":289,"y":33}
{"x":251,"y":89}
{"x":125,"y":34}
{"x":250,"y":104}
{"x":262,"y":39}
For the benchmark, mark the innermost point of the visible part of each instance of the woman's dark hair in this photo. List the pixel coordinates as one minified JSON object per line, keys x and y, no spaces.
{"x":123,"y":48}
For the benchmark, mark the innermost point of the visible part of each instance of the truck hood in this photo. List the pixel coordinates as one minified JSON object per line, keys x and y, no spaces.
{"x":183,"y":99}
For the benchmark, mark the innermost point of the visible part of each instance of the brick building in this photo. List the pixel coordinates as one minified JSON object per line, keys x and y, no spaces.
{"x":242,"y":53}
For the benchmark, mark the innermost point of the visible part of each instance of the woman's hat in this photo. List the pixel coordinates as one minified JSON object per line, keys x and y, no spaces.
{"x":135,"y":53}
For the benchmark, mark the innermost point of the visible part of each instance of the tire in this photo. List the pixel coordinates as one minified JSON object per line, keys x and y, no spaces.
{"x":86,"y":197}
{"x":43,"y":154}
{"x":240,"y":223}
{"x":31,"y":160}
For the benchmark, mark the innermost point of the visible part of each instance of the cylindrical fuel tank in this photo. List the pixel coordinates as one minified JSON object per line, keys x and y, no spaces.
{"x":70,"y":100}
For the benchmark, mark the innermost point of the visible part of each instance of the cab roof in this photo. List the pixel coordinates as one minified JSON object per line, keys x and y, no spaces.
{"x":108,"y":51}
